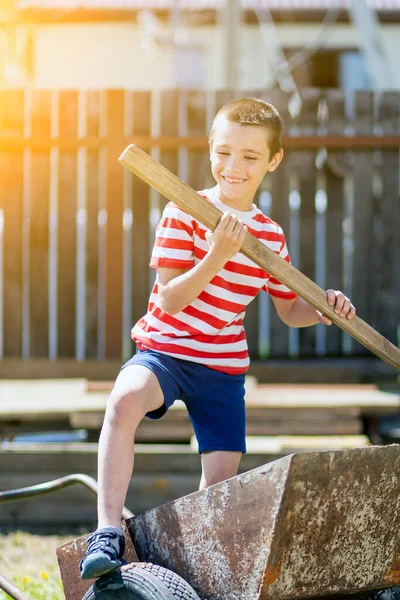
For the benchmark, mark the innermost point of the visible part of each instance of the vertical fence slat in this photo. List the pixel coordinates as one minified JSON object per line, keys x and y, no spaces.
{"x":280,"y":180}
{"x":141,"y":125}
{"x":169,"y":126}
{"x":388,"y":321}
{"x":222,"y":97}
{"x":308,"y":124}
{"x":199,"y":169}
{"x":67,"y":195}
{"x":81,"y":233}
{"x":251,"y":320}
{"x":53,"y":230}
{"x":115,"y":210}
{"x":39,"y":231}
{"x":362,"y":213}
{"x":11,"y":196}
{"x":92,"y":227}
{"x":334,"y":212}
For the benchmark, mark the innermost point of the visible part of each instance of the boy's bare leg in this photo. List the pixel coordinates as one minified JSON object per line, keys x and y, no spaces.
{"x":218,"y":466}
{"x":136,"y":391}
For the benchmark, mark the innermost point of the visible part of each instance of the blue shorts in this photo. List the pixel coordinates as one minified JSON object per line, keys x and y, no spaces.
{"x":214,"y":400}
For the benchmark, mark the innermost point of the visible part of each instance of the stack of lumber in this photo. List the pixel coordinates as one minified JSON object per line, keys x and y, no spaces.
{"x":278,"y":416}
{"x":282,"y":419}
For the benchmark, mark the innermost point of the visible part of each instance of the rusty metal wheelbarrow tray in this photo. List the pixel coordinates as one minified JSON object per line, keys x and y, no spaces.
{"x":308,"y":525}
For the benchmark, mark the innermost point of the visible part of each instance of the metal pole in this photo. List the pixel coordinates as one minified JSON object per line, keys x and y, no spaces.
{"x":9,"y":588}
{"x":54,"y":486}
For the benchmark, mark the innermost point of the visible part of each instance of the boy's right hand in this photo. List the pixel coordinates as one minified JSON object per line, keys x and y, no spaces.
{"x":228,"y":236}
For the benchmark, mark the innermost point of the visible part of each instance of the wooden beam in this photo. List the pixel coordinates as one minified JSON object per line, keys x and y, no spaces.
{"x":357,"y":142}
{"x":143,"y":165}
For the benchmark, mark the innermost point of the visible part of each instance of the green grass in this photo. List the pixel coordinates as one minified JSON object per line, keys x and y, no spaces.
{"x":30,"y":562}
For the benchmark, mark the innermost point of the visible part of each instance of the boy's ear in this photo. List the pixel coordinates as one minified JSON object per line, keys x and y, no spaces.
{"x":275,"y":161}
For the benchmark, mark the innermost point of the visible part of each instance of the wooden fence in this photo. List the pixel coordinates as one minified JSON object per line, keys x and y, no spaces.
{"x":76,"y":229}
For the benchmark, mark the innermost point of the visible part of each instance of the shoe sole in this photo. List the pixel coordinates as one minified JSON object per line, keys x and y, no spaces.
{"x":96,"y":573}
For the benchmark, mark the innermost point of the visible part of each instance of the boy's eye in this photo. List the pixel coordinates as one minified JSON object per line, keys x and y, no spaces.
{"x":223,"y":153}
{"x":251,"y":157}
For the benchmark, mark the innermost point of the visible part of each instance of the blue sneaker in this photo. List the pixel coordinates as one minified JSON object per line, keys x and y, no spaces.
{"x":104,"y":554}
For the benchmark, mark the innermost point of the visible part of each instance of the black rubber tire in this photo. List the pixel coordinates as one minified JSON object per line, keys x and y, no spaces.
{"x":388,"y":594}
{"x":141,"y":581}
{"x":392,"y":593}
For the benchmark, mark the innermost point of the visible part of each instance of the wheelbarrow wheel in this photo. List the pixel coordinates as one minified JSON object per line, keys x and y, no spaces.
{"x":141,"y":581}
{"x":387,"y":594}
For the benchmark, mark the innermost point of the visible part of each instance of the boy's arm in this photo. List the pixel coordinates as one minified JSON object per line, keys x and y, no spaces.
{"x":177,"y":288}
{"x":298,"y":313}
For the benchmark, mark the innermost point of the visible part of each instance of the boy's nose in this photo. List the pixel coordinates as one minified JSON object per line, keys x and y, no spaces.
{"x":234,"y":164}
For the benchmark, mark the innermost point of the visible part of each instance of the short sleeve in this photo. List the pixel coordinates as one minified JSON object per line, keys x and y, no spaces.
{"x":275,"y":287}
{"x":173,"y":247}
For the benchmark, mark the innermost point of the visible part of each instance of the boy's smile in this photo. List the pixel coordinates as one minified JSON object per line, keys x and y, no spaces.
{"x":240,"y":158}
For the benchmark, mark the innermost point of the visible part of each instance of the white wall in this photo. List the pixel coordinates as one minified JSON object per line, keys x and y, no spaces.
{"x":111,"y":55}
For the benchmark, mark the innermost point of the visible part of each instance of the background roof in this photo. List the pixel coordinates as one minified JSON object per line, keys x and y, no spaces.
{"x":381,"y":5}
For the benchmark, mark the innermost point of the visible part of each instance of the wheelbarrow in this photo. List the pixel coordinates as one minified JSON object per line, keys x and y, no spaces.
{"x":309,"y":525}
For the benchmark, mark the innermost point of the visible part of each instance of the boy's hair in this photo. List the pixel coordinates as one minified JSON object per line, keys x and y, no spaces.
{"x":253,"y":111}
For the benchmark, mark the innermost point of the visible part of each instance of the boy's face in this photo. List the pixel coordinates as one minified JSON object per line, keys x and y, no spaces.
{"x":240,"y":158}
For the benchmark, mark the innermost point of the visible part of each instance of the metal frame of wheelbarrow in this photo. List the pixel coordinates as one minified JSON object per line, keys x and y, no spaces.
{"x":144,"y":580}
{"x":33,"y":491}
{"x":214,"y":494}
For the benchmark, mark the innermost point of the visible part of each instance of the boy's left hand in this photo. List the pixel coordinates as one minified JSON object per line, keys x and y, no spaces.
{"x":341,"y":305}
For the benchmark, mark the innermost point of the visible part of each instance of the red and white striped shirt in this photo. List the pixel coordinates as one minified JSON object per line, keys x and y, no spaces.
{"x":209,"y":330}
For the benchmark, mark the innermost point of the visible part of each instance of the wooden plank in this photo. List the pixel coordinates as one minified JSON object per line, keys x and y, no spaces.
{"x":294,"y":142}
{"x":280,"y":184}
{"x":308,"y":123}
{"x":41,"y":368}
{"x":39,"y":228}
{"x":280,"y":212}
{"x":305,"y":443}
{"x":92,"y":255}
{"x":92,"y":226}
{"x":199,"y":171}
{"x":334,"y":213}
{"x":114,"y":228}
{"x":161,"y":179}
{"x":11,"y":203}
{"x":141,"y":124}
{"x":363,"y":211}
{"x":348,"y":371}
{"x":222,"y":97}
{"x":63,"y":397}
{"x":387,"y":307}
{"x":180,"y":429}
{"x":75,"y":507}
{"x":67,"y":218}
{"x":251,"y":319}
{"x":169,"y":126}
{"x":11,"y":113}
{"x":92,"y":126}
{"x":162,"y":473}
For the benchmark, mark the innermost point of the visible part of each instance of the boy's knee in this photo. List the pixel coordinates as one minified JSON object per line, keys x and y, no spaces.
{"x":218,"y":475}
{"x":124,"y":405}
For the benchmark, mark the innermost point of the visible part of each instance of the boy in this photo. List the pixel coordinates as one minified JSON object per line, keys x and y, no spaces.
{"x":191,"y":343}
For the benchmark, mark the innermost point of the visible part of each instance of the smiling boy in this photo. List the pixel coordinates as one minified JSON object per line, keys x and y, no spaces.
{"x":191,"y":342}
